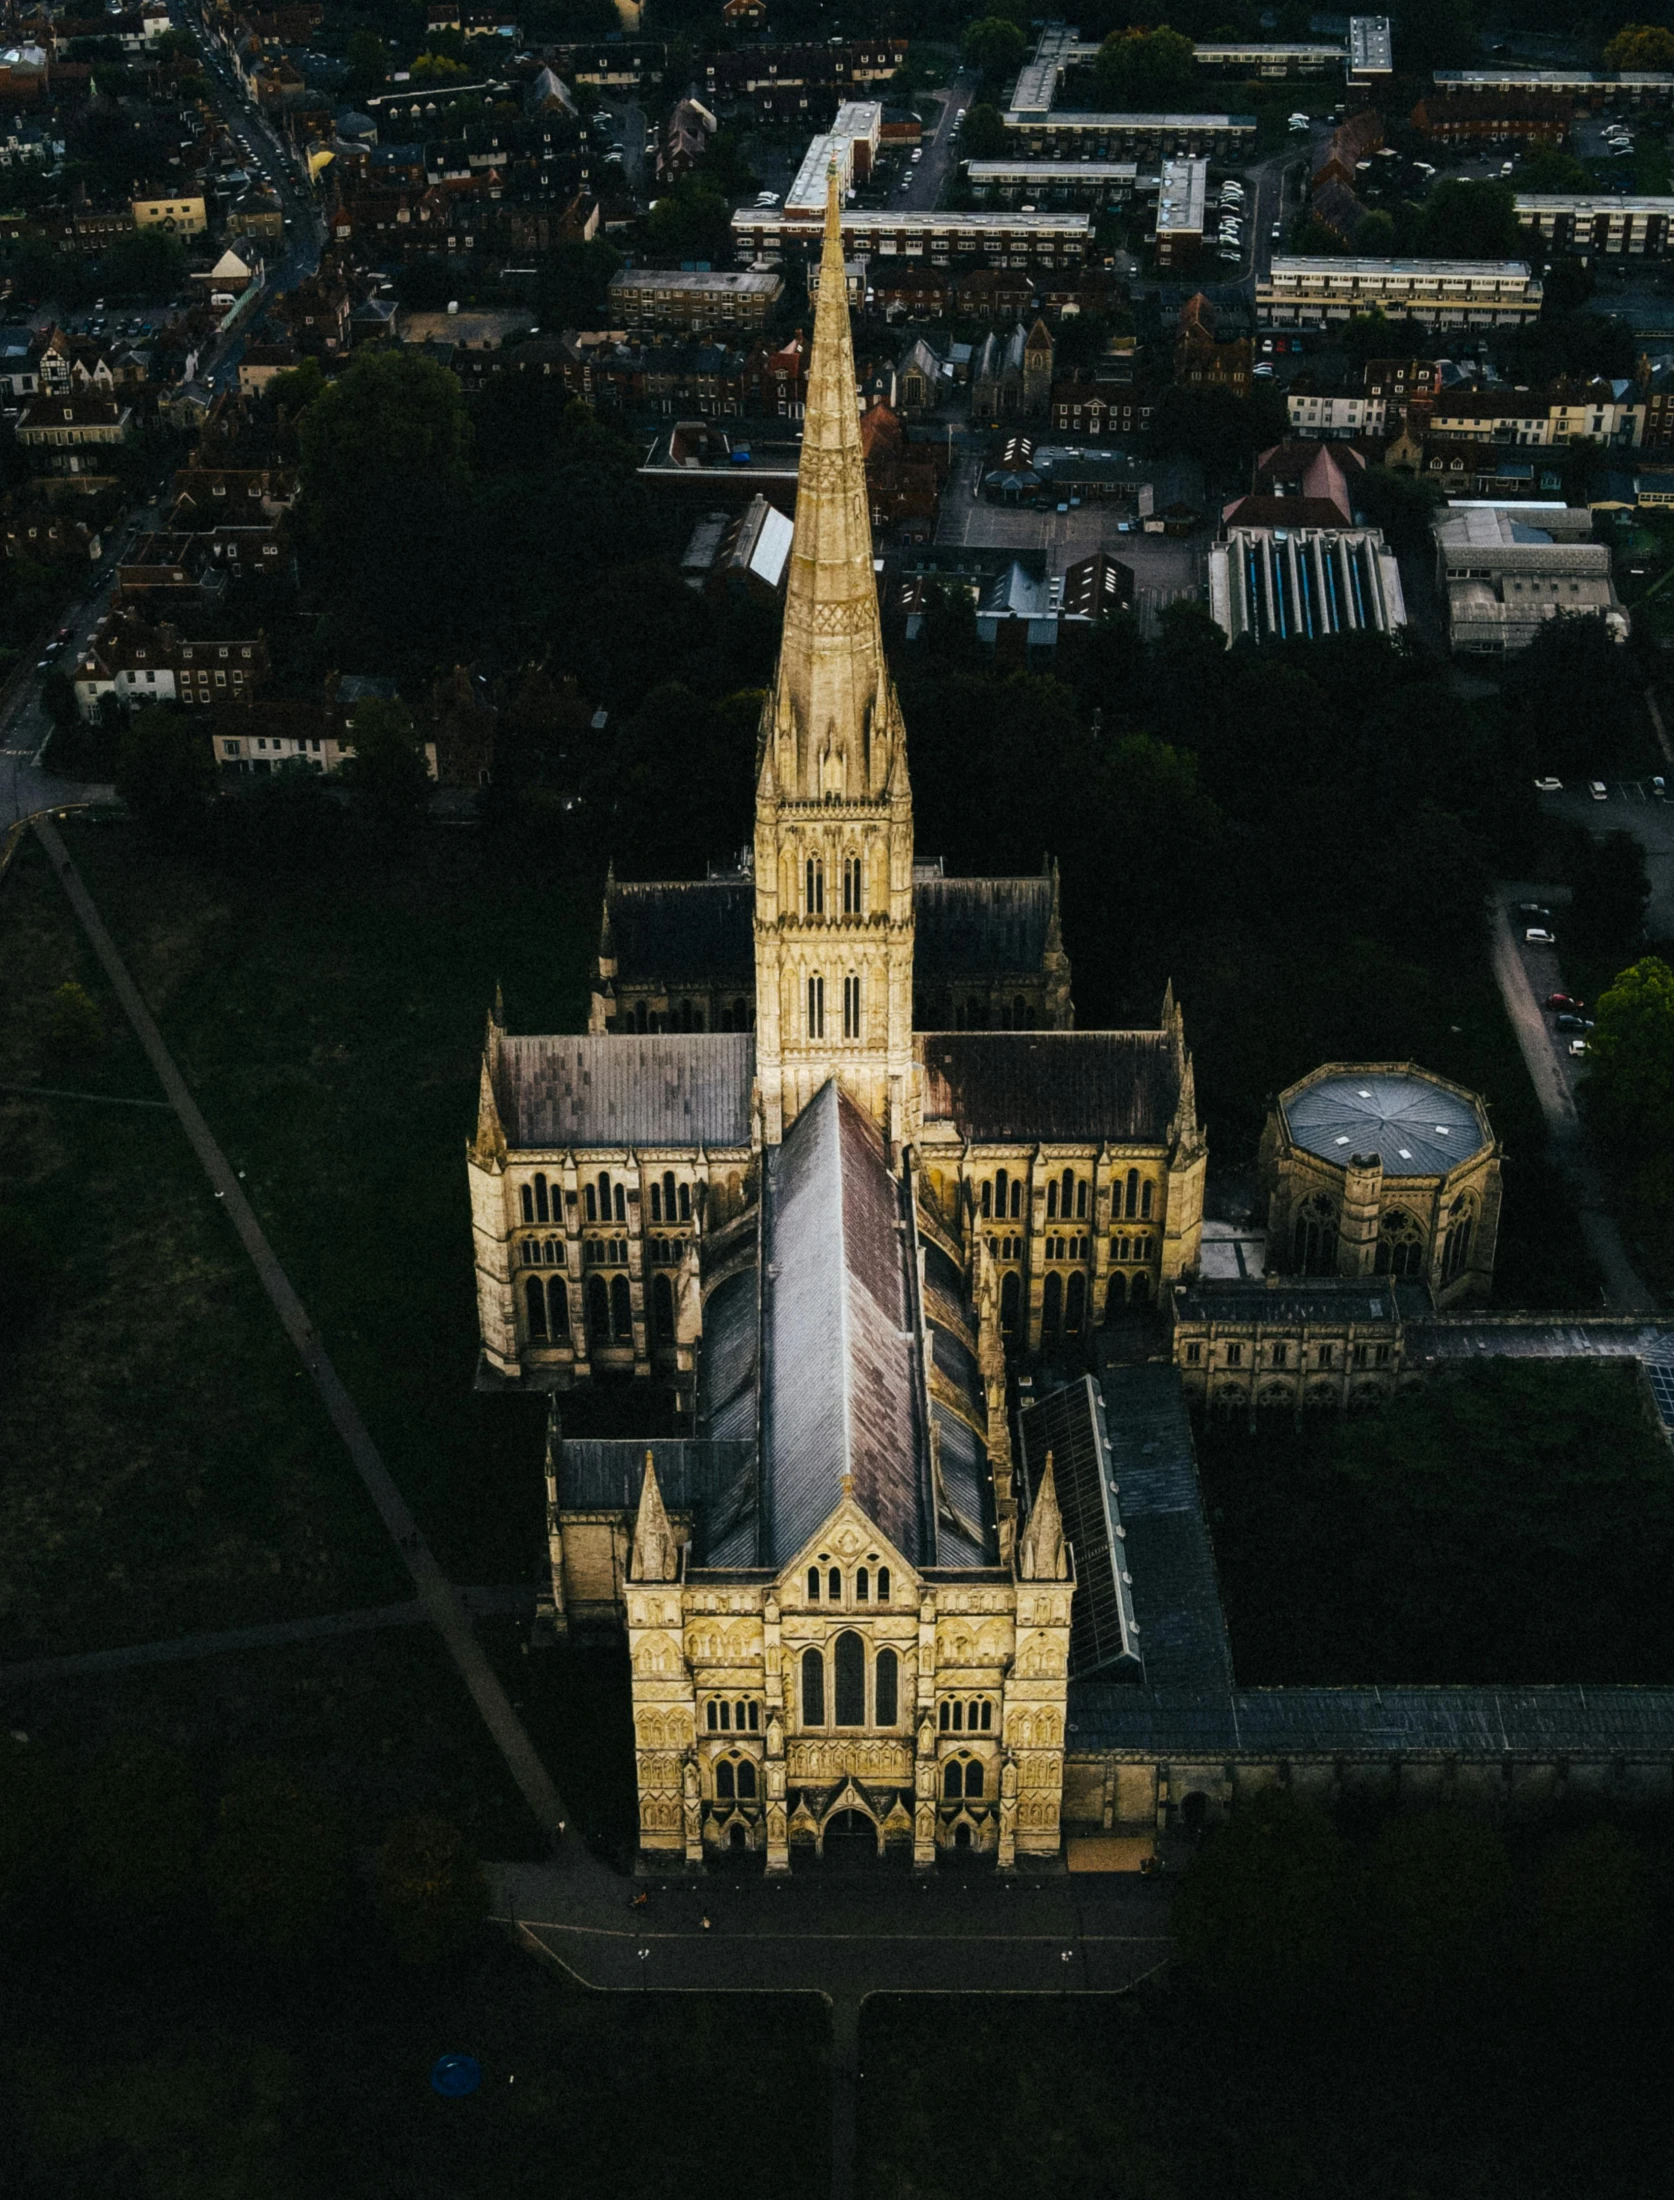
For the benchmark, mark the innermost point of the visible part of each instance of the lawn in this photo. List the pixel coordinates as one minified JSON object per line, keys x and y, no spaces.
{"x":1506,"y":1523}
{"x":198,"y":2081}
{"x":164,"y":1467}
{"x":329,"y":1020}
{"x":1167,"y":2095}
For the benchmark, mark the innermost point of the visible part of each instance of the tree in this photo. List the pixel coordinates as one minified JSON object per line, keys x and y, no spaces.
{"x":292,"y":392}
{"x":691,"y":220}
{"x":165,"y":771}
{"x":1640,"y":46}
{"x":431,"y":1892}
{"x":145,"y":264}
{"x":1219,"y":429}
{"x":1435,"y":34}
{"x":1375,"y":236}
{"x":1143,"y":71}
{"x":1630,"y":1059}
{"x":368,"y":59}
{"x":573,"y":288}
{"x":75,"y":1028}
{"x":1571,"y":695}
{"x":387,"y":775}
{"x":1465,"y":220}
{"x":278,"y":1865}
{"x":438,"y":68}
{"x":984,"y":134}
{"x":1611,"y":893}
{"x":1550,"y":168}
{"x":391,"y":425}
{"x":1264,"y":1909}
{"x":34,"y":1827}
{"x":994,"y":46}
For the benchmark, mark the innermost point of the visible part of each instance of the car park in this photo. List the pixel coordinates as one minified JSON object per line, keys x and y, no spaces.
{"x":1598,"y":790}
{"x":1538,"y":935}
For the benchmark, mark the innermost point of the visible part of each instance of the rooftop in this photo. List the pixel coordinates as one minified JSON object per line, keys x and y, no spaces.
{"x":1414,"y":1123}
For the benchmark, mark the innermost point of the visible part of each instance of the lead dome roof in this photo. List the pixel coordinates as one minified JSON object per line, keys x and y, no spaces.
{"x":1415,"y":1124}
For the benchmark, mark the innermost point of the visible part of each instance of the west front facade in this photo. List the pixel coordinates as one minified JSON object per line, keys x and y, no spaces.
{"x":831,"y":1145}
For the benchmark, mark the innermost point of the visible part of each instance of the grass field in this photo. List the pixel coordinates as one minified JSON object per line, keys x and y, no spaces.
{"x":1509,"y":1522}
{"x":328,"y":1021}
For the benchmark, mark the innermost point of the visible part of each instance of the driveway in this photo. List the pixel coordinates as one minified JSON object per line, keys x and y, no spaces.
{"x":1525,"y":975}
{"x":1630,"y":806}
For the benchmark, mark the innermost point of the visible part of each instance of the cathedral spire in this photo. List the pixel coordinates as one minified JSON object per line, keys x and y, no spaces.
{"x":831,"y":711}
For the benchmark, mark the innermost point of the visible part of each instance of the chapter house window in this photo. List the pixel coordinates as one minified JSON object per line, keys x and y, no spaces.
{"x":813,"y":1688}
{"x":851,"y":1007}
{"x":816,"y":1007}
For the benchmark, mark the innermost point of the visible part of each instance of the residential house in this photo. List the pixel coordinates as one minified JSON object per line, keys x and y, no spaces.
{"x":74,"y":431}
{"x":1202,"y":358}
{"x":139,"y":663}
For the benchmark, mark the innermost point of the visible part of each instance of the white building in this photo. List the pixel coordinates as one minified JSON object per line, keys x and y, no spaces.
{"x":1277,"y":584}
{"x":1311,"y":293}
{"x":1502,"y":578}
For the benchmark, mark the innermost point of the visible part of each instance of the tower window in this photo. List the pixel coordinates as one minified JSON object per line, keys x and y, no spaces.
{"x":853,"y":892}
{"x":543,"y":1212}
{"x":685,"y":1191}
{"x":999,"y":1193}
{"x":529,"y":1204}
{"x":1081,"y":1199}
{"x":851,"y":1006}
{"x":536,"y":1298}
{"x":1145,"y":1200}
{"x":815,"y":882}
{"x":558,"y":1299}
{"x":1133,"y":1194}
{"x":816,"y":1007}
{"x":987,"y":1197}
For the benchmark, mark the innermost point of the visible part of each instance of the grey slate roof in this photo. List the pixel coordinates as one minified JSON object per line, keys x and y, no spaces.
{"x":685,"y":932}
{"x":1120,"y":1085}
{"x":1069,"y":1423}
{"x":602,"y":1474}
{"x":1303,"y":1299}
{"x":980,"y":927}
{"x":840,"y":1390}
{"x":1372,"y":1722}
{"x":679,"y":1089}
{"x":1176,"y":1597}
{"x":1418,"y":1126}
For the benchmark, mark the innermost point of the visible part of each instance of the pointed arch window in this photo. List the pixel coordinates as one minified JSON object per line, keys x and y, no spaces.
{"x":854,"y":889}
{"x":598,"y":1309}
{"x":813,"y":1688}
{"x":1456,"y":1250}
{"x":535,"y":1299}
{"x":1052,"y":1200}
{"x":1011,"y":1293}
{"x":558,"y":1303}
{"x":1145,"y":1192}
{"x":746,"y":1780}
{"x":834,"y":1586}
{"x":814,"y":884}
{"x":1075,"y":1304}
{"x":621,"y":1310}
{"x":724,"y":1780}
{"x":1133,"y":1194}
{"x":1400,"y":1244}
{"x":1000,"y":1188}
{"x":662,"y":1308}
{"x":816,"y":1007}
{"x":883,"y":1584}
{"x":886,"y":1688}
{"x":851,"y":1006}
{"x":813,"y":1585}
{"x":862,"y":1587}
{"x":543,"y":1213}
{"x":849,"y":1679}
{"x":987,"y":1197}
{"x":1052,"y":1305}
{"x":528,"y":1204}
{"x":1068,"y":1192}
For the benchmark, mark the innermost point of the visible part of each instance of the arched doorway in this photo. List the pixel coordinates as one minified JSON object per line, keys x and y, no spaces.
{"x":851,"y":1841}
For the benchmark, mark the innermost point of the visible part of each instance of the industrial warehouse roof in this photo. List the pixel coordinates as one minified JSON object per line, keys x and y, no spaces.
{"x":685,"y":1089}
{"x":1416,"y":1125}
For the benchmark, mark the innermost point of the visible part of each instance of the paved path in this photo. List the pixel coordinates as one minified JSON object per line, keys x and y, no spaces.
{"x":1625,"y":1291}
{"x":275,"y":1635}
{"x":435,"y":1592}
{"x":102,"y":1099}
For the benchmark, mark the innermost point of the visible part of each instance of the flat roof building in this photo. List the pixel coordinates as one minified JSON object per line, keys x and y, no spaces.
{"x":1598,"y":221}
{"x":1502,"y":578}
{"x":1113,"y":137}
{"x":1309,"y":293}
{"x":1269,"y":57}
{"x":1096,"y":182}
{"x":1637,"y":87}
{"x":1015,"y":240}
{"x":1371,"y":48}
{"x":1181,"y":197}
{"x":693,"y":298}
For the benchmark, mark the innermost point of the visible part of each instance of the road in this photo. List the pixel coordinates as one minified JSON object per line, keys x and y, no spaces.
{"x":1525,"y":975}
{"x":939,"y":152}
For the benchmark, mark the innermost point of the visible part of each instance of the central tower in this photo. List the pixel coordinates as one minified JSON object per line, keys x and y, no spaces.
{"x":834,"y":823}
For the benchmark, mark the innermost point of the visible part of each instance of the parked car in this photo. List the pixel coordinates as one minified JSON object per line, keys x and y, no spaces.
{"x":1566,"y":1001}
{"x":1534,"y":912}
{"x":1659,"y":788}
{"x":1598,"y":790}
{"x":1262,"y":371}
{"x":1567,"y":1022}
{"x":1277,"y":232}
{"x":1549,"y":786}
{"x":1577,"y":1046}
{"x":1538,"y":935}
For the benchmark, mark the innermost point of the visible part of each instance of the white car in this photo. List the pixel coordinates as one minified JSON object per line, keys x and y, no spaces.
{"x":1598,"y":790}
{"x":1538,"y":936}
{"x":1549,"y":786}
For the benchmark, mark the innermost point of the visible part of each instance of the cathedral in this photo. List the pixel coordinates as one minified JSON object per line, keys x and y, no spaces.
{"x":831,"y":1149}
